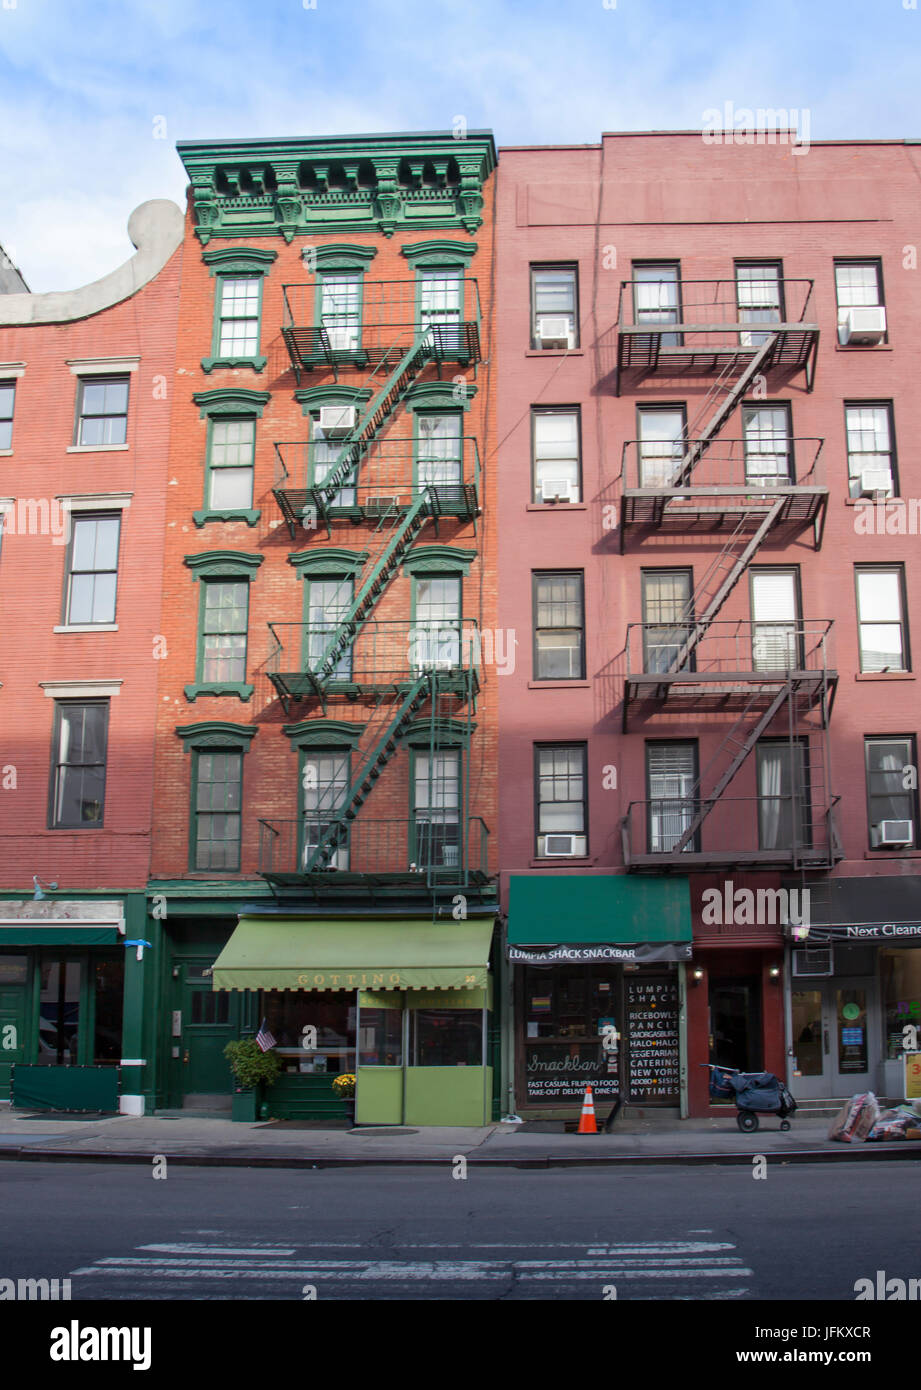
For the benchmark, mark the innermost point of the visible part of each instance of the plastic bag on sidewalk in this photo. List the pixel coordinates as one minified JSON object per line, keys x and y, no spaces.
{"x":855,"y":1119}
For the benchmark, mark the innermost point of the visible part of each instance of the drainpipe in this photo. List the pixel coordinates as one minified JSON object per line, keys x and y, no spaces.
{"x":788,"y":1009}
{"x":682,"y":1041}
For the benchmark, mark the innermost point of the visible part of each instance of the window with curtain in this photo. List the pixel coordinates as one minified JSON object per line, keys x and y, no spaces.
{"x":759,"y":298}
{"x":436,"y":809}
{"x":555,"y":435}
{"x":340,"y":311}
{"x":662,"y":435}
{"x":667,"y":618}
{"x":656,"y":297}
{"x":671,"y":779}
{"x":562,"y":808}
{"x":880,"y":619}
{"x":888,"y":799}
{"x":784,"y":811}
{"x":870,"y":455}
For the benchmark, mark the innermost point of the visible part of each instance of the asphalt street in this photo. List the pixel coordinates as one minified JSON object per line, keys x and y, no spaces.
{"x":664,"y":1233}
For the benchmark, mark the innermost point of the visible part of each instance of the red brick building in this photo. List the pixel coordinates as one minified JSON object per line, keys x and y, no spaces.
{"x":706,"y":378}
{"x":326,"y":743}
{"x":86,"y":381}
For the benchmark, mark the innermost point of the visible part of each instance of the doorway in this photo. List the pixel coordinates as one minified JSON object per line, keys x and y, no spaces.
{"x":204,"y":1030}
{"x":835,"y":1049}
{"x":735,"y":1023}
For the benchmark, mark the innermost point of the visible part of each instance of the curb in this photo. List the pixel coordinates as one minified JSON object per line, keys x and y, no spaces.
{"x":850,"y":1154}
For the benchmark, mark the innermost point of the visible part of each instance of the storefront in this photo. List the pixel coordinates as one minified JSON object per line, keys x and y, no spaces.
{"x":405,"y":1004}
{"x":598,"y":964}
{"x":854,"y":985}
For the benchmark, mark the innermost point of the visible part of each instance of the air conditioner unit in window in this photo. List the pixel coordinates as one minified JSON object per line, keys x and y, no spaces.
{"x":338,"y":420}
{"x":895,"y":833}
{"x":554,"y":333}
{"x":862,"y":325}
{"x":813,"y":960}
{"x":381,"y":504}
{"x":559,"y":845}
{"x":555,"y":490}
{"x":874,"y":480}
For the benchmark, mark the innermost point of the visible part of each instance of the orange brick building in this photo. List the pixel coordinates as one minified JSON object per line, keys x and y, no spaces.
{"x":325,"y":776}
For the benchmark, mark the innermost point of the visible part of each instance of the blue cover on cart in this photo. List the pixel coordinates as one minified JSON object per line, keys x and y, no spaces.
{"x":756,"y":1090}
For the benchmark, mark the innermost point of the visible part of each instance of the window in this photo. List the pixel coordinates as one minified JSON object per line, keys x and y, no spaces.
{"x":888,"y":800}
{"x":440,"y":302}
{"x":559,"y":627}
{"x":759,"y":298}
{"x":445,"y":1037}
{"x":870,"y":452}
{"x":858,"y":285}
{"x":7,"y":401}
{"x":784,"y":813}
{"x":562,"y":800}
{"x":436,"y":630}
{"x":667,"y":618}
{"x":340,"y":311}
{"x":436,"y":836}
{"x":230,"y":465}
{"x":92,"y":570}
{"x":671,"y":781}
{"x":767,"y":445}
{"x":880,"y":619}
{"x":557,"y":464}
{"x":217,"y":802}
{"x":324,"y":788}
{"x":661,"y":444}
{"x":554,"y":306}
{"x":327,"y":600}
{"x":324,"y":454}
{"x":225,"y":620}
{"x":440,"y":452}
{"x":777,"y":631}
{"x":78,"y":775}
{"x":239,"y":300}
{"x":102,"y":411}
{"x":657,"y":297}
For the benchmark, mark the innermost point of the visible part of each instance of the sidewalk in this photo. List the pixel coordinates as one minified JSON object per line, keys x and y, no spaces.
{"x":217,"y":1141}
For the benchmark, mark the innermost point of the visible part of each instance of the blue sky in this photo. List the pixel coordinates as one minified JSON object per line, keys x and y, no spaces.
{"x":82,"y":83}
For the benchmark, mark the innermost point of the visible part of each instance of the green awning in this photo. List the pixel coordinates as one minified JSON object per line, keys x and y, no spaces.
{"x":546,"y":909}
{"x":346,"y":953}
{"x":60,"y":936}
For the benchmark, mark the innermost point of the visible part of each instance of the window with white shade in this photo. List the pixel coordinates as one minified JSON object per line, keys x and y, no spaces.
{"x":562,"y":807}
{"x":881,"y":618}
{"x":662,"y":435}
{"x":671,"y":782}
{"x":858,"y":284}
{"x":870,"y":452}
{"x":892,"y":807}
{"x":776,"y":627}
{"x":556,"y":446}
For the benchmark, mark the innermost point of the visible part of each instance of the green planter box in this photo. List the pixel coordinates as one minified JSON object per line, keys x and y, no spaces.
{"x":245,"y":1104}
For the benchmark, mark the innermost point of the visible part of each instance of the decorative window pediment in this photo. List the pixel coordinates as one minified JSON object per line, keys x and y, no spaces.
{"x":323,"y":733}
{"x":339,"y":255}
{"x":449,"y":733}
{"x":440,"y":395}
{"x":221,"y":564}
{"x":231,"y":400}
{"x":313,"y":397}
{"x":216,"y":733}
{"x":438,"y":559}
{"x":330,"y":560}
{"x":239,"y":260}
{"x":439,"y":253}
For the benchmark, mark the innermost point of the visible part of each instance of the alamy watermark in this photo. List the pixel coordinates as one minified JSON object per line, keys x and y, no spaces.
{"x":732,"y":125}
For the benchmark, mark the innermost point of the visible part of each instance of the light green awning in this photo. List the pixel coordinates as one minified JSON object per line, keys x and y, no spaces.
{"x":335,"y":953}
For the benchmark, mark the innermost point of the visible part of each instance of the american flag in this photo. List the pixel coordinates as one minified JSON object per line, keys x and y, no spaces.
{"x":264,"y":1038}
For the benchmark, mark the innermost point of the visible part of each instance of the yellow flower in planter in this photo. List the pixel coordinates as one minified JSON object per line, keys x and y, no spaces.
{"x":344,"y":1085}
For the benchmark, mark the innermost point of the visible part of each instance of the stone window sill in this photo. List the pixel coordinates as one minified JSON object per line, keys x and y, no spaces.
{"x":86,"y":627}
{"x":863,"y":347}
{"x":97,"y":448}
{"x":556,"y":506}
{"x":559,"y":685}
{"x":582,"y":861}
{"x":884,"y":676}
{"x":554,"y":352}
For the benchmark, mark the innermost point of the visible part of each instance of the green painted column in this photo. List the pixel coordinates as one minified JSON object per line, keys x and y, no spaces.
{"x":137,"y":1041}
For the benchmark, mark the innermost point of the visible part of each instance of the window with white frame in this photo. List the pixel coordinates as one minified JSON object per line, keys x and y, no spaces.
{"x":92,"y":569}
{"x":881,"y":618}
{"x":562,"y":800}
{"x":870,"y":452}
{"x":556,"y":446}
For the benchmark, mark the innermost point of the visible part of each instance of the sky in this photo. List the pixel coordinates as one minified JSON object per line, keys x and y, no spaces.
{"x":94,"y":94}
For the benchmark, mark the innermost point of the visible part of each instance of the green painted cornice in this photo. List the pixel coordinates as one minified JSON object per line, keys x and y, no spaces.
{"x":231,"y":400}
{"x":329,"y":560}
{"x":438,"y":253}
{"x":438,"y":559}
{"x":215,"y":733}
{"x":440,"y":395}
{"x":323,"y":733}
{"x":344,"y":183}
{"x":239,"y":260}
{"x":339,"y":255}
{"x":312,"y":397}
{"x":449,"y":733}
{"x":218,"y":564}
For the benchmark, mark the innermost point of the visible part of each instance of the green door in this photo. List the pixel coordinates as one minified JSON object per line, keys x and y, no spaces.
{"x":206,"y":1029}
{"x":14,"y":974}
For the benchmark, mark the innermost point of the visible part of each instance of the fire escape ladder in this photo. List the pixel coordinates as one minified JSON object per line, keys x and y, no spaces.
{"x":722,"y":576}
{"x":743,"y":748}
{"x":405,"y":365}
{"x":408,"y":703}
{"x":732,"y":388}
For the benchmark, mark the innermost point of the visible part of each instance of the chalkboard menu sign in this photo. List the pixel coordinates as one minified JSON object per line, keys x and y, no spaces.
{"x":561,"y":1071}
{"x":652,"y":1038}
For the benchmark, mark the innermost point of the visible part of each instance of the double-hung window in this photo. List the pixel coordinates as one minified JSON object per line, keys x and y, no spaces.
{"x":557,"y":470}
{"x":784,"y":809}
{"x":892,"y":797}
{"x":657,"y":297}
{"x":436,"y":809}
{"x":881,"y":618}
{"x":436,"y":630}
{"x":667,"y":618}
{"x":439,"y":452}
{"x":324,"y":453}
{"x":92,"y":570}
{"x":767,"y":445}
{"x":870,"y":449}
{"x":561,"y":788}
{"x":217,"y":806}
{"x":671,"y":781}
{"x":554,"y":306}
{"x":340,"y":311}
{"x":102,"y":411}
{"x":559,"y":626}
{"x":225,"y":622}
{"x":324,"y":788}
{"x":78,"y":774}
{"x":238,"y":315}
{"x":759,"y":298}
{"x":7,"y":402}
{"x":230,"y":474}
{"x":661,"y":445}
{"x":328,"y":599}
{"x":859,"y":286}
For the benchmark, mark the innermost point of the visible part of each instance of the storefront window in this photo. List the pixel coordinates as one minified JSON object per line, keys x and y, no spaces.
{"x":108,"y":983}
{"x":381,"y":1038}
{"x":315,"y":1032}
{"x":900,"y":978}
{"x":446,"y":1037}
{"x":59,"y":1016}
{"x":566,"y":1011}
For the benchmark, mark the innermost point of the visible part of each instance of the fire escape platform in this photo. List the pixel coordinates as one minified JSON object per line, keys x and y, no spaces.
{"x":664,"y":863}
{"x":715,"y":510}
{"x":309,"y":346}
{"x":456,"y":500}
{"x":711,"y":347}
{"x":293,"y":686}
{"x":712,"y":692}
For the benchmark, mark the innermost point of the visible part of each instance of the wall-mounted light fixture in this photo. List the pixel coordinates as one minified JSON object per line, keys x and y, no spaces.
{"x":774,"y":972}
{"x":697,"y":975}
{"x":38,"y":895}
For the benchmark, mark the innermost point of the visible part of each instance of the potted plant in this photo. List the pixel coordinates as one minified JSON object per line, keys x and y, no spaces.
{"x":253,"y":1069}
{"x":344,"y":1088}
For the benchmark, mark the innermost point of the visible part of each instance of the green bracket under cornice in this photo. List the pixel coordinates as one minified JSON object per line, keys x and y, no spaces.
{"x":338,"y":255}
{"x":448,"y":733}
{"x":241,"y":689}
{"x":231,"y":400}
{"x":344,"y":183}
{"x":323,"y":733}
{"x":239,"y":260}
{"x":215,"y":733}
{"x":220,"y":564}
{"x":330,"y":560}
{"x":440,"y":395}
{"x":312,"y":397}
{"x":439,"y":253}
{"x":438,"y":559}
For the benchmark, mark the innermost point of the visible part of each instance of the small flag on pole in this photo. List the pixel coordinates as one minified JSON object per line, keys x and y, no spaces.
{"x":264,"y":1038}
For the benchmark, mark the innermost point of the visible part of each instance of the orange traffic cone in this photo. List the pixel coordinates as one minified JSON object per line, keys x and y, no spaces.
{"x":587,"y":1118}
